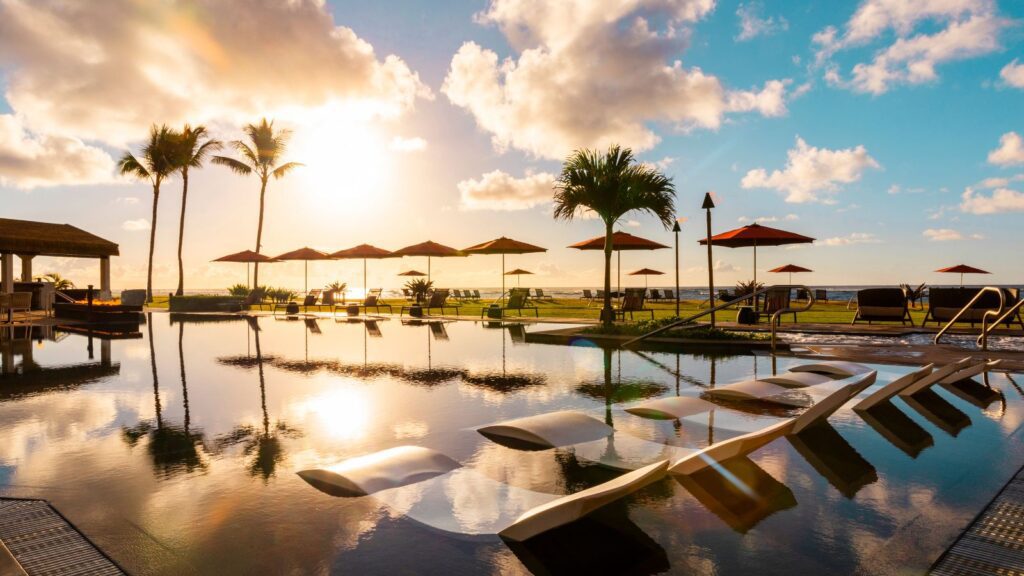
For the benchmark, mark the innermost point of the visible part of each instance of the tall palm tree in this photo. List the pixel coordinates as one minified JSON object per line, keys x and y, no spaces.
{"x":611,"y":185}
{"x":155,"y":165}
{"x":261,"y":155}
{"x":194,"y":145}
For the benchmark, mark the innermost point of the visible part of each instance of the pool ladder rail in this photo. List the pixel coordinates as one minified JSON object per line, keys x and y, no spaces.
{"x":1001,"y":315}
{"x":774,"y":321}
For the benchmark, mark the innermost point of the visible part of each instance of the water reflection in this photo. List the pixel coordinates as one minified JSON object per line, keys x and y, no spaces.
{"x":834,"y":458}
{"x":739,"y":492}
{"x":615,"y":390}
{"x":939,"y":412}
{"x":898,"y":428}
{"x":29,"y":378}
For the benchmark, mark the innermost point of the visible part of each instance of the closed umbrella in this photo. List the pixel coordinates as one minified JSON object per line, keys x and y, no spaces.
{"x":756,"y":235}
{"x":517,"y":273}
{"x":962,"y":269}
{"x":364,"y":251}
{"x":247,"y":256}
{"x":645,"y":272}
{"x":620,"y":241}
{"x":305,"y":255}
{"x":430,"y":250}
{"x":504,"y":246}
{"x":790,"y":268}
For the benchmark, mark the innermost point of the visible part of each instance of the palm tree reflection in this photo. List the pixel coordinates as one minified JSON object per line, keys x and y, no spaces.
{"x":614,"y":390}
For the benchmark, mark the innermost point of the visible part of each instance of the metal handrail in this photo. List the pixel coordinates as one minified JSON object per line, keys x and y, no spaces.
{"x":754,"y":294}
{"x":986,"y":328}
{"x":984,"y":318}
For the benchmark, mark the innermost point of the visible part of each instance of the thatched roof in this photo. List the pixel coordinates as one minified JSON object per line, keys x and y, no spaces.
{"x":46,"y":239}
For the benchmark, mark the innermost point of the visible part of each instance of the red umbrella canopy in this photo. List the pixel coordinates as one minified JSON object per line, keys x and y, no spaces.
{"x":245,"y":256}
{"x":362,"y":251}
{"x":620,"y":241}
{"x":517,"y":272}
{"x":504,"y":245}
{"x":303,"y":254}
{"x":757,"y":235}
{"x":428,"y":249}
{"x":412,"y":273}
{"x":791,"y":268}
{"x":963,"y":269}
{"x":646,"y":272}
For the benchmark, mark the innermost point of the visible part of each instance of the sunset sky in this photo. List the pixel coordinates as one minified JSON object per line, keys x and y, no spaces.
{"x":890,"y":130}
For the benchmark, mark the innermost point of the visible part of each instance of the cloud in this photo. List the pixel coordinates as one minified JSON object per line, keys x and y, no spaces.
{"x":400,"y":144}
{"x":1010,"y":151}
{"x":787,"y":217}
{"x":127,"y":200}
{"x":1013,"y":74}
{"x":75,"y":71}
{"x":632,"y":223}
{"x":854,"y":238}
{"x":588,"y":73}
{"x":947,"y":235}
{"x":32,"y":161}
{"x":720,"y":266}
{"x":135,"y":225}
{"x":499,"y":191}
{"x":1000,"y":200}
{"x":661,"y":165}
{"x":811,"y":172}
{"x":753,"y":25}
{"x":927,"y":33}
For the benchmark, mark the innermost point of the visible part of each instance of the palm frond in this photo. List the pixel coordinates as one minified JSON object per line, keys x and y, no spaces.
{"x":128,"y":165}
{"x":236,"y":166}
{"x":282,"y":170}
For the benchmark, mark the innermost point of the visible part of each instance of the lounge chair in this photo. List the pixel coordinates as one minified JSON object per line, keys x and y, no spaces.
{"x":256,"y":298}
{"x":518,"y":300}
{"x":587,"y":294}
{"x":948,"y":374}
{"x":655,"y":295}
{"x":670,"y":296}
{"x":476,"y":295}
{"x":540,"y":295}
{"x":372,"y":300}
{"x":427,"y":486}
{"x":882,"y":305}
{"x":407,"y":294}
{"x":776,"y":299}
{"x":309,"y":301}
{"x":438,"y":300}
{"x":820,"y":295}
{"x":456,"y":295}
{"x":945,"y":303}
{"x":15,"y":302}
{"x":633,"y":302}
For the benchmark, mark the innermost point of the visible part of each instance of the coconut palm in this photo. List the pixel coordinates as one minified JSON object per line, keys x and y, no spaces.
{"x":59,"y":282}
{"x":155,"y":165}
{"x":611,"y":185}
{"x":261,"y":154}
{"x":194,"y":145}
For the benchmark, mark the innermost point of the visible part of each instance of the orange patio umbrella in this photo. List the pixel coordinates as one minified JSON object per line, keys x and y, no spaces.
{"x":517,"y":273}
{"x":304,"y":254}
{"x":962,"y":269}
{"x":790,"y":268}
{"x":504,"y":246}
{"x":620,"y":241}
{"x":364,"y":251}
{"x":645,"y":272}
{"x":412,"y":273}
{"x":247,"y":256}
{"x":756,"y":235}
{"x":430,"y":250}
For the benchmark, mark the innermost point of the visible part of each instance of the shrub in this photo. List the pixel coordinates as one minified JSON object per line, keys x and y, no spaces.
{"x":238,"y":290}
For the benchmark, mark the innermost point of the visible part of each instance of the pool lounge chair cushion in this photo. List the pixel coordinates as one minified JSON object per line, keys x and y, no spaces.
{"x":550,"y":430}
{"x":382,"y":470}
{"x":840,"y":368}
{"x":893,"y":388}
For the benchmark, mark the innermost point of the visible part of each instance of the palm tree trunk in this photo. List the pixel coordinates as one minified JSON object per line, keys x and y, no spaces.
{"x":259,"y":234}
{"x":152,"y":243}
{"x":607,"y":314}
{"x":181,"y":233}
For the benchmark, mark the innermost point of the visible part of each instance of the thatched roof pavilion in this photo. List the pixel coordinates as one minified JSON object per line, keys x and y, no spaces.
{"x":28,"y":239}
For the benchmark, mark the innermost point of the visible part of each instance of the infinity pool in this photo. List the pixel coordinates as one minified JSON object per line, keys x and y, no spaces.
{"x":176,"y":452}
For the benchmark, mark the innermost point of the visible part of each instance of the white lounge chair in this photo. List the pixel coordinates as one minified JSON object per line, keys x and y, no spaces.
{"x":893,"y":388}
{"x":953,"y":372}
{"x":427,"y":486}
{"x":767,"y":389}
{"x":837,"y":368}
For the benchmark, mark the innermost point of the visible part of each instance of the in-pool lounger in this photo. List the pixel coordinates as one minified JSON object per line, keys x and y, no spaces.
{"x":948,"y":374}
{"x":806,"y":396}
{"x":435,"y":490}
{"x":837,"y":368}
{"x":893,"y":388}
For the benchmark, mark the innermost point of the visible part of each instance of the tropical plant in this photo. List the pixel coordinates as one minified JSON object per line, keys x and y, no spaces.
{"x":612,"y":185}
{"x":240,"y":290}
{"x":260,"y":155}
{"x":337,"y":287}
{"x":193,"y":147}
{"x":745,"y":287}
{"x":280,"y":295}
{"x":914,"y":295}
{"x":419,"y":288}
{"x":59,"y":282}
{"x":155,"y":165}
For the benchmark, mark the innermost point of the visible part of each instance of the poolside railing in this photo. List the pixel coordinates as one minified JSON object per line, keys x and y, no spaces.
{"x":983,"y":338}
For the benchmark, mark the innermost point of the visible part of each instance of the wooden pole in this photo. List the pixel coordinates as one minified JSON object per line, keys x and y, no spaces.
{"x":708,"y":205}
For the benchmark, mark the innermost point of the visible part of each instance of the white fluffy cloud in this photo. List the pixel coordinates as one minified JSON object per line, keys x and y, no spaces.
{"x":853,"y":238}
{"x":1000,"y":200}
{"x":588,"y":73}
{"x":498,"y":190}
{"x":1013,"y":74}
{"x":104,"y":71}
{"x":415,"y":144}
{"x":135,"y":225}
{"x":811,"y":172}
{"x":31,"y":161}
{"x":947,"y":235}
{"x":752,"y":24}
{"x":787,"y":218}
{"x":1010,"y":151}
{"x":927,"y":33}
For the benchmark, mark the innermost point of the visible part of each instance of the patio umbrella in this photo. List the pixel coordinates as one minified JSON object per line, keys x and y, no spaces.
{"x":430,"y":250}
{"x":504,"y":246}
{"x":305,"y":255}
{"x":790,"y":268}
{"x":756,"y":235}
{"x":517,"y":273}
{"x":962,"y":269}
{"x":364,"y":251}
{"x":620,"y":241}
{"x":412,"y":273}
{"x":247,"y":256}
{"x":645,"y":272}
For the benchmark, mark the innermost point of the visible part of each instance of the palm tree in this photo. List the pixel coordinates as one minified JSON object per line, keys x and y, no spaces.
{"x":611,"y":185}
{"x":260,"y":155}
{"x":194,"y":145}
{"x":156,"y":164}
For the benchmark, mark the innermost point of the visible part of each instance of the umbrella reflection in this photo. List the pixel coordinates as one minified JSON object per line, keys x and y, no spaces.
{"x":834,"y":458}
{"x":504,"y":382}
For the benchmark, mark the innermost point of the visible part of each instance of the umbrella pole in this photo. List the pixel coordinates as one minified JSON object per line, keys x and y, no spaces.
{"x":305,"y":279}
{"x":428,"y":268}
{"x":503,"y":297}
{"x":618,"y":271}
{"x":365,"y":285}
{"x":246,"y":274}
{"x":755,"y":264}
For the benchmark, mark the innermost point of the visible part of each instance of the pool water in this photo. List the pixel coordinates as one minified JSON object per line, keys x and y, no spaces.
{"x":176,"y":452}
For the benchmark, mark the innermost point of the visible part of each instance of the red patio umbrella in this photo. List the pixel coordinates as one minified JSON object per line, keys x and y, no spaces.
{"x":620,"y":241}
{"x":247,"y":256}
{"x":504,"y":246}
{"x":790,"y":268}
{"x":430,"y":250}
{"x":756,"y":235}
{"x":517,"y":273}
{"x":304,"y":254}
{"x":364,"y":251}
{"x":645,"y":272}
{"x":413,"y":273}
{"x":962,"y":269}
